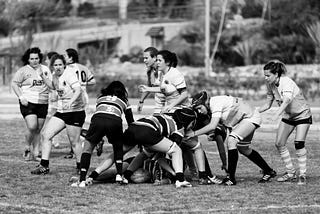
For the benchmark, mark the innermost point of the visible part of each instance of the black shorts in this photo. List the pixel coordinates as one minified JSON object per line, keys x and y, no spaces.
{"x":41,"y":110}
{"x":142,"y":135}
{"x":297,"y":122}
{"x":105,"y":125}
{"x":75,"y":118}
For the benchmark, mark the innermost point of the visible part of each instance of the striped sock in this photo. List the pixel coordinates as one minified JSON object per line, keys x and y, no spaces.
{"x":285,"y":156}
{"x":302,"y":160}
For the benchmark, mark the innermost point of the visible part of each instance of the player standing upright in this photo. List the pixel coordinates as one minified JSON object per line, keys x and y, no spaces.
{"x":33,"y":94}
{"x":83,"y":74}
{"x":296,"y":115}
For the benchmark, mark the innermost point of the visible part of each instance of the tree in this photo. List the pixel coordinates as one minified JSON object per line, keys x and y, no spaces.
{"x":313,"y":31}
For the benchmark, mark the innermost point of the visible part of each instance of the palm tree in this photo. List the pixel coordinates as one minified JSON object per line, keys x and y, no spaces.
{"x":246,"y":50}
{"x":313,"y":31}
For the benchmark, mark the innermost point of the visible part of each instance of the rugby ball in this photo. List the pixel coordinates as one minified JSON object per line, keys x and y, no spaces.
{"x":140,"y":176}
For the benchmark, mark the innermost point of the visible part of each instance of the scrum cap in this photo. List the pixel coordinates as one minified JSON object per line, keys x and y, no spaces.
{"x":184,"y":117}
{"x":199,"y":99}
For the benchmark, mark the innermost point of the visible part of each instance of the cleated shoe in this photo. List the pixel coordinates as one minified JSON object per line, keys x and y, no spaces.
{"x":99,"y":148}
{"x":214,"y":180}
{"x":267,"y":176}
{"x":287,"y":177}
{"x":228,"y":182}
{"x":40,"y":170}
{"x":81,"y":184}
{"x":180,"y":184}
{"x":302,"y":179}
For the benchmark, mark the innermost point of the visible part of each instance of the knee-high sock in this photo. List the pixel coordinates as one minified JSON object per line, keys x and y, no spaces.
{"x":232,"y":162}
{"x":285,"y":156}
{"x":84,"y":165}
{"x":302,"y":160}
{"x":207,"y":165}
{"x":118,"y":156}
{"x":256,"y":158}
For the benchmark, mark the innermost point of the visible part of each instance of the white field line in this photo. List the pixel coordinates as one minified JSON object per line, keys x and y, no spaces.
{"x":269,"y":207}
{"x":31,"y":207}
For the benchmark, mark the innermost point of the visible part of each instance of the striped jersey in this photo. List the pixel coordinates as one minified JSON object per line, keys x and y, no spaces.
{"x":111,"y":105}
{"x":160,"y":122}
{"x":32,"y":86}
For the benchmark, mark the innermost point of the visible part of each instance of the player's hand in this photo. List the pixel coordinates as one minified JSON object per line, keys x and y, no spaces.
{"x":67,"y":105}
{"x":142,"y":88}
{"x":23,"y":100}
{"x":166,"y":109}
{"x":189,"y":134}
{"x":139,"y":107}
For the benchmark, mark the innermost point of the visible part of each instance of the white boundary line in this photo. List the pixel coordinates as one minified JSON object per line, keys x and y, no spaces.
{"x":269,"y":207}
{"x":38,"y":207}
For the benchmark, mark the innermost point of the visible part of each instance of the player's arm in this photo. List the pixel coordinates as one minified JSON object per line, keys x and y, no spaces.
{"x":180,"y":99}
{"x":266,"y":105}
{"x":129,"y":115}
{"x":206,"y":129}
{"x":285,"y":102}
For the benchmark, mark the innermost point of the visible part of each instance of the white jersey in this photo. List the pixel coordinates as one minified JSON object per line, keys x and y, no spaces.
{"x":174,"y":80}
{"x":66,"y":84}
{"x":32,"y":86}
{"x":298,"y":107}
{"x":231,"y":110}
{"x":84,"y":76}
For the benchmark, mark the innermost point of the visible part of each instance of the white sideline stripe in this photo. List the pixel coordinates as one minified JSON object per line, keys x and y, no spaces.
{"x":16,"y":160}
{"x":270,"y":207}
{"x":25,"y":206}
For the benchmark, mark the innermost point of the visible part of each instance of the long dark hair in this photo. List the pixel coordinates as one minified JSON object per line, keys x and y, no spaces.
{"x":74,"y":54}
{"x":169,"y":57}
{"x":276,"y":67}
{"x":35,"y":50}
{"x":116,"y":88}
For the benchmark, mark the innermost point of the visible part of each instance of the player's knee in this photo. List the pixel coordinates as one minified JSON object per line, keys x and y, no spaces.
{"x":244,"y":149}
{"x":196,"y":147}
{"x":174,"y":149}
{"x":299,"y":144}
{"x":233,"y":140}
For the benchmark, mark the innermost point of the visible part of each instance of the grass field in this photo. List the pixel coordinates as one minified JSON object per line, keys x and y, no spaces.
{"x":21,"y":192}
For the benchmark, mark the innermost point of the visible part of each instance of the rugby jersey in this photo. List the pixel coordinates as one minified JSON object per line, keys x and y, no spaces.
{"x":298,"y":108}
{"x":83,"y":74}
{"x":176,"y":78}
{"x":66,"y":84}
{"x":111,"y":105}
{"x":32,"y":86}
{"x":160,"y":122}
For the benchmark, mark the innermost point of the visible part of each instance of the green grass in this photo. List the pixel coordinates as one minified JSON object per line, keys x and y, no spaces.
{"x":21,"y":192}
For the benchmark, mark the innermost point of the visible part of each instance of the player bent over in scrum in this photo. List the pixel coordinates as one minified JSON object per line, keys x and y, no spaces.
{"x":158,"y":133}
{"x":243,"y":120}
{"x":107,"y":121}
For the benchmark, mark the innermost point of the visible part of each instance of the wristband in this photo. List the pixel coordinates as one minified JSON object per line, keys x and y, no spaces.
{"x":21,"y":97}
{"x":194,"y":134}
{"x":140,"y":102}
